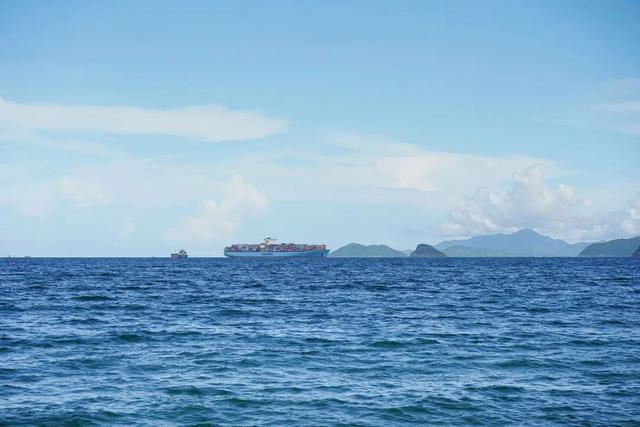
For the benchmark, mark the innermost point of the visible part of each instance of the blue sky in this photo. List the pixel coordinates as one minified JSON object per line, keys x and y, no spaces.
{"x":136,"y":128}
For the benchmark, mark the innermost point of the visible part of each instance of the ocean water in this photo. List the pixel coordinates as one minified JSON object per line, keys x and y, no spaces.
{"x":320,"y":342}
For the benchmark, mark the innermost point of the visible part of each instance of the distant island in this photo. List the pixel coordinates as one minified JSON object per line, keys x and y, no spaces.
{"x":522,"y":243}
{"x":612,"y":248}
{"x":356,"y":250}
{"x":426,"y":251}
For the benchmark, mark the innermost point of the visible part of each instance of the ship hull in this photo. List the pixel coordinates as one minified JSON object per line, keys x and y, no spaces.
{"x":269,"y":254}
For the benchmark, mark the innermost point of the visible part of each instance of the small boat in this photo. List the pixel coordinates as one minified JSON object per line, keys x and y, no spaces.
{"x":180,"y":254}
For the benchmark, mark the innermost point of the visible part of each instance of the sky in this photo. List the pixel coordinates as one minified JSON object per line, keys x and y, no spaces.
{"x":137,"y":128}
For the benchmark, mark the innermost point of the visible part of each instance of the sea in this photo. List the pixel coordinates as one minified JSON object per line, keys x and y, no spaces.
{"x":320,"y":342}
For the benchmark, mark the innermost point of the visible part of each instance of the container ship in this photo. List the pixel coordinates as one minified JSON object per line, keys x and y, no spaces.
{"x":270,"y":248}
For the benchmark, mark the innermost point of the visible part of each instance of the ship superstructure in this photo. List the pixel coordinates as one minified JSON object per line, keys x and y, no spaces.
{"x":270,"y":248}
{"x":180,"y":254}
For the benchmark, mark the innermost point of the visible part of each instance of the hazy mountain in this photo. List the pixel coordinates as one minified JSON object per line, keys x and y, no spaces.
{"x":426,"y":251}
{"x":637,"y":252}
{"x":614,"y":248}
{"x":464,"y":251}
{"x":521,"y":243}
{"x":356,"y":250}
{"x":573,"y":249}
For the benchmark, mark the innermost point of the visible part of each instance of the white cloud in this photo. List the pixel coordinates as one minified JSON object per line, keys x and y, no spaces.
{"x":208,"y":123}
{"x":420,"y":184}
{"x":621,"y":116}
{"x":129,"y":228}
{"x":19,"y":191}
{"x":34,"y":210}
{"x":82,"y":193}
{"x":81,"y":147}
{"x":621,"y":112}
{"x":530,"y":203}
{"x":215,"y":221}
{"x":627,"y":107}
{"x":371,"y":169}
{"x":441,"y":171}
{"x":130,"y":183}
{"x":400,"y":166}
{"x":369,"y":144}
{"x":615,"y":107}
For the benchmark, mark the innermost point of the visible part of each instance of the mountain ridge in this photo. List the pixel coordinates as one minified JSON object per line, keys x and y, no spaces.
{"x":612,"y":248}
{"x":522,"y":243}
{"x":467,"y":252}
{"x":525,"y":242}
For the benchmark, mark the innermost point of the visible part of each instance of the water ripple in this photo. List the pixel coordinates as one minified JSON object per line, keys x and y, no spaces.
{"x":319,"y":342}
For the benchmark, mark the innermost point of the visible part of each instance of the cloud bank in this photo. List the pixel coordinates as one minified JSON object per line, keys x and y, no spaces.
{"x":208,"y":123}
{"x":421,"y":187}
{"x":530,"y":203}
{"x":441,"y":171}
{"x":216,"y":221}
{"x":383,"y":165}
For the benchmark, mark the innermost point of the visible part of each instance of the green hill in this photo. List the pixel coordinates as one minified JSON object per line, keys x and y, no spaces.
{"x":356,"y":250}
{"x":426,"y":251}
{"x":612,"y":248}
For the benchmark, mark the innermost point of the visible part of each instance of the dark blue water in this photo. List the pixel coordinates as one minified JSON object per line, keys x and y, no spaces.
{"x":319,"y":342}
